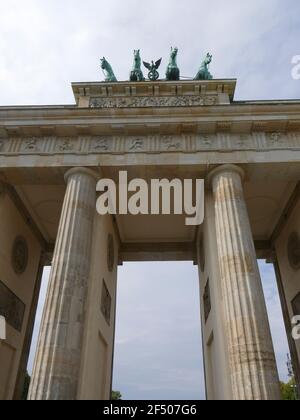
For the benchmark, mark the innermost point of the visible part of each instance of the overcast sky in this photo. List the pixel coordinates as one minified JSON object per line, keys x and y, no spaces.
{"x":46,"y":44}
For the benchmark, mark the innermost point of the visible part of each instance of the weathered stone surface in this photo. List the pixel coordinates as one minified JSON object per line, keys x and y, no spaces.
{"x":57,"y":363}
{"x":252,"y":361}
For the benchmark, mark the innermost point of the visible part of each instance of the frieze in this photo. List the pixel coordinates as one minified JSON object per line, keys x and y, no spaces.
{"x":183,"y":143}
{"x":153,"y":101}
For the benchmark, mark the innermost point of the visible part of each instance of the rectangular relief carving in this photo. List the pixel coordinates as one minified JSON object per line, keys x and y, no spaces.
{"x":106,"y":303}
{"x":153,"y":102}
{"x":11,"y":307}
{"x":207,"y":301}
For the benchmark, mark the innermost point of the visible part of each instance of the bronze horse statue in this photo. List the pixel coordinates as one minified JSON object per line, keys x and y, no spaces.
{"x":203,"y":73}
{"x":136,"y":74}
{"x":107,"y":70}
{"x":173,"y":72}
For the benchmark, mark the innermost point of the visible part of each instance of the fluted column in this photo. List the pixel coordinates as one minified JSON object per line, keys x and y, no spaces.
{"x":57,"y":363}
{"x":252,"y":360}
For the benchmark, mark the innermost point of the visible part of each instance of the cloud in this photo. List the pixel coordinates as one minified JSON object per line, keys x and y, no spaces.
{"x":44,"y":45}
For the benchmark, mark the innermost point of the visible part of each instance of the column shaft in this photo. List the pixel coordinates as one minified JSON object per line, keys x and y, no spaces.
{"x":252,"y":361}
{"x":57,"y":363}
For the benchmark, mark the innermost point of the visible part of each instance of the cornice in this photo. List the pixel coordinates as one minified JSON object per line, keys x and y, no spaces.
{"x":150,"y":108}
{"x":158,"y":88}
{"x":133,"y":122}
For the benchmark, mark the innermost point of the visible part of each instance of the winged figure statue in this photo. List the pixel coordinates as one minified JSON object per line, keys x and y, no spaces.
{"x":153,"y":67}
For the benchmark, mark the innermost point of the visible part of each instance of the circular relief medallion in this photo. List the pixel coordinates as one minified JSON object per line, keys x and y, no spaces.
{"x":294,"y":250}
{"x":110,"y":253}
{"x":20,"y":255}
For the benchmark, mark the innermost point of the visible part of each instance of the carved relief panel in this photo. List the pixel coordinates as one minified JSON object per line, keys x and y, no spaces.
{"x":106,"y":303}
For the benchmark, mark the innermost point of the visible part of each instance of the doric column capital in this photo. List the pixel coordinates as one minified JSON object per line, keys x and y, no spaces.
{"x":223,"y":169}
{"x":82,"y":171}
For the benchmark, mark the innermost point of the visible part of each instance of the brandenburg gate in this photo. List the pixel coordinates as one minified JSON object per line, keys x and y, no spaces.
{"x":51,"y":158}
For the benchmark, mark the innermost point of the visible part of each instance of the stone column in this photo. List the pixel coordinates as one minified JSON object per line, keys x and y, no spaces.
{"x":252,"y":362}
{"x":57,"y":363}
